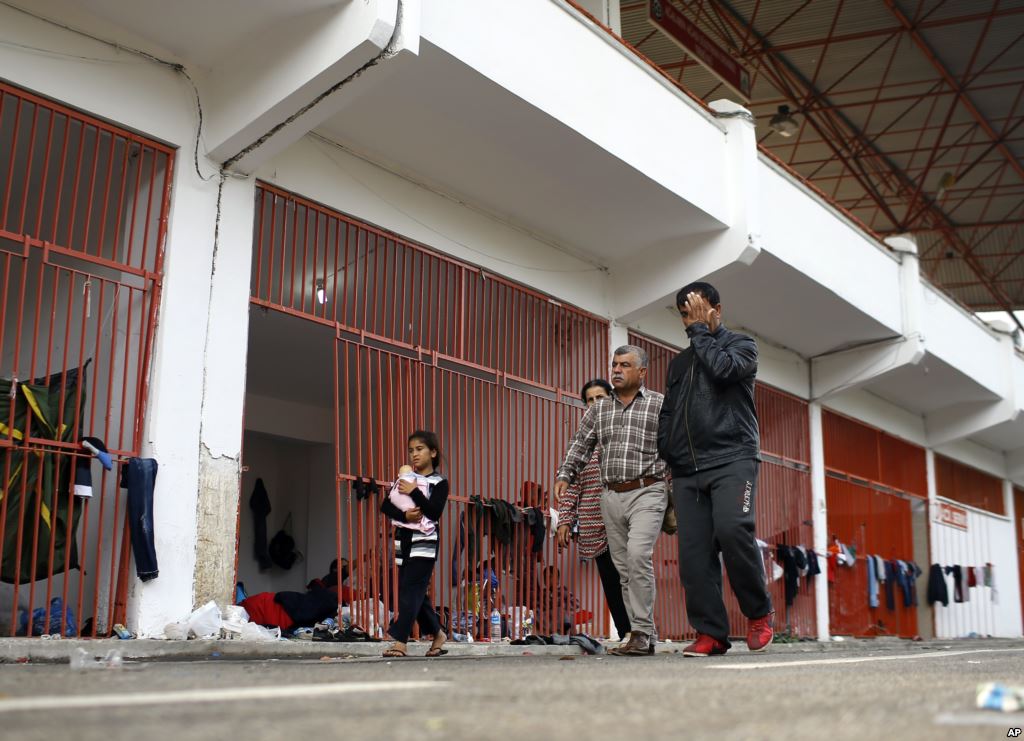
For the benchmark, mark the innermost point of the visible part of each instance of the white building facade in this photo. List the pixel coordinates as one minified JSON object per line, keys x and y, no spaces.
{"x":491,"y":196}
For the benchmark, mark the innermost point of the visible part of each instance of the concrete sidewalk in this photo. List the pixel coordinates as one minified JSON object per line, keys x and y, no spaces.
{"x":36,"y":650}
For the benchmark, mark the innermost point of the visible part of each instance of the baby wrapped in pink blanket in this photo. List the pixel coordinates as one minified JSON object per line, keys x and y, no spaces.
{"x":404,"y":502}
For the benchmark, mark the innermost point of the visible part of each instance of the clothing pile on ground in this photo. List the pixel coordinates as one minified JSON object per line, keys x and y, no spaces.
{"x":964,"y":578}
{"x":588,"y":644}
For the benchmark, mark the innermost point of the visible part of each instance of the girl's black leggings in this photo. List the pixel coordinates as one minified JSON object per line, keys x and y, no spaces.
{"x":413,"y":604}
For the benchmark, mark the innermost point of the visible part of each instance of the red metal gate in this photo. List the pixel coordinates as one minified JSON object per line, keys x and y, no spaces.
{"x":426,"y":341}
{"x":83,"y":212}
{"x":783,"y":506}
{"x":872,"y":481}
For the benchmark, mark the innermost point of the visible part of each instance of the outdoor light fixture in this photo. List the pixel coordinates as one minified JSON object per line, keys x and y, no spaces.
{"x":783,"y":123}
{"x":321,"y":294}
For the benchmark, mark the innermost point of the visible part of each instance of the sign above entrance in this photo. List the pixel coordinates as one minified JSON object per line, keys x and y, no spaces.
{"x":952,"y":516}
{"x":671,"y":21}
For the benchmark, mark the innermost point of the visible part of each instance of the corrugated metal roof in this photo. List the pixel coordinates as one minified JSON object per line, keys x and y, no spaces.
{"x":901,"y":122}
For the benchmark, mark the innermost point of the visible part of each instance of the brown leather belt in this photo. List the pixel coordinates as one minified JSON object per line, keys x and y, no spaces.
{"x":633,"y":484}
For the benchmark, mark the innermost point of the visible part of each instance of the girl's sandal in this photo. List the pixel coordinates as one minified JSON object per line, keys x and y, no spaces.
{"x":394,"y":653}
{"x":437,"y":651}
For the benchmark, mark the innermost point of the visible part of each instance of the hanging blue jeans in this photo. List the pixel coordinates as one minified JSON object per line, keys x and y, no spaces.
{"x":138,"y":476}
{"x":872,"y":583}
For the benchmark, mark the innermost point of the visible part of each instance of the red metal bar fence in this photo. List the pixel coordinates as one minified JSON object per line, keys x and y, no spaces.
{"x":426,"y":341}
{"x":83,"y":207}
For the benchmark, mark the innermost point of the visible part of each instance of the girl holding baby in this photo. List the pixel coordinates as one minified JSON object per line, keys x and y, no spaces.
{"x":415,"y":505}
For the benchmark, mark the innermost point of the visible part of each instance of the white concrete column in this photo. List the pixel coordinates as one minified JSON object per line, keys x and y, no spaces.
{"x":220,"y":438}
{"x":929,"y":467}
{"x":172,"y":421}
{"x":1009,"y":506}
{"x":819,"y":519}
{"x":618,"y":335}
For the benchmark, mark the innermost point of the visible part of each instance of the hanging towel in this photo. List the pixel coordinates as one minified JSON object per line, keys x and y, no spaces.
{"x":879,"y":567}
{"x":872,"y":583}
{"x":849,"y":555}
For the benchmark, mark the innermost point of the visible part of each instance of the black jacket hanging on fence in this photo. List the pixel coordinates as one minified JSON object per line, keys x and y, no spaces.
{"x":259,"y":503}
{"x":535,"y":519}
{"x":812,"y":563}
{"x":937,"y":589}
{"x":790,"y":572}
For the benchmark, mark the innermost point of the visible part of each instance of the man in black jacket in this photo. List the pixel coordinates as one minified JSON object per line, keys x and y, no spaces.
{"x":708,"y":435}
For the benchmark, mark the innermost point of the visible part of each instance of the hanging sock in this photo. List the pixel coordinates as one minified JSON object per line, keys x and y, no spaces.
{"x":83,"y":466}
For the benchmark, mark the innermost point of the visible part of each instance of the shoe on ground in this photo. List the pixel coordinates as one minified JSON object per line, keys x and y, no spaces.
{"x":705,"y":645}
{"x":639,"y":645}
{"x":760,"y":633}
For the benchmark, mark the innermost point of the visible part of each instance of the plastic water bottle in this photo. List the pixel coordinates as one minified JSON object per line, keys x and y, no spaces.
{"x":495,"y":626}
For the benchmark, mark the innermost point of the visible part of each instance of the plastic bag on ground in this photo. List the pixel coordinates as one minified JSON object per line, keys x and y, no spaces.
{"x":235,"y":618}
{"x":205,"y":622}
{"x":254,"y":632}
{"x":176,"y":631}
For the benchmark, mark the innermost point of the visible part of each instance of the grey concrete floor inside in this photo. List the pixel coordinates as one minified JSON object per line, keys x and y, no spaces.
{"x":892,"y":691}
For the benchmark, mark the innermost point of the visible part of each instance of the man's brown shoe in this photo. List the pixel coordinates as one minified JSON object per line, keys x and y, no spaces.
{"x":639,"y":645}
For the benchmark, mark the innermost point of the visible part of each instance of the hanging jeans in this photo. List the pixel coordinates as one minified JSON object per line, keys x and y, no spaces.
{"x":139,"y":477}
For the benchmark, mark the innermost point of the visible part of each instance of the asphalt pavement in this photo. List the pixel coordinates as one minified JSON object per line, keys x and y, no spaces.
{"x":892,"y":690}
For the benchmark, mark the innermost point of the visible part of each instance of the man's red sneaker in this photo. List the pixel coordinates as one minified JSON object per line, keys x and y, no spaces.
{"x":705,"y":645}
{"x":760,"y":633}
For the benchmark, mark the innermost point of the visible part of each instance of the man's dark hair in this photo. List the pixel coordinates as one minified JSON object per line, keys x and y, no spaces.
{"x":591,"y":384}
{"x":708,"y":291}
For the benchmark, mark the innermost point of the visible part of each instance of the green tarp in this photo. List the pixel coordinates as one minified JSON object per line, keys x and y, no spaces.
{"x":34,"y":481}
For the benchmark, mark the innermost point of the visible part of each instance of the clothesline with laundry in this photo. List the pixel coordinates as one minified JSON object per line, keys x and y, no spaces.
{"x":964,"y":579}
